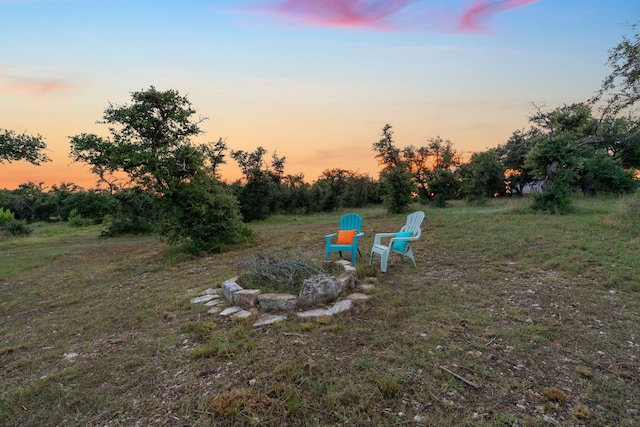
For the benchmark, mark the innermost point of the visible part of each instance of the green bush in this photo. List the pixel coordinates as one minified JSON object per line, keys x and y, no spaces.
{"x":6,"y":217}
{"x":76,"y":220}
{"x":134,"y":213}
{"x":204,"y":218}
{"x":19,"y":228}
{"x":557,"y":195}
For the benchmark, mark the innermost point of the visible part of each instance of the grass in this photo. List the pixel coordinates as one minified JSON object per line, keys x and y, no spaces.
{"x":540,"y":312}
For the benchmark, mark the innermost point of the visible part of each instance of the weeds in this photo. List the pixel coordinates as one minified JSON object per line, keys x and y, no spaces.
{"x":279,"y":272}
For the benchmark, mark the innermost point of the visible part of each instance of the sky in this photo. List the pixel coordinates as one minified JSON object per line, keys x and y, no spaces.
{"x":313,"y":81}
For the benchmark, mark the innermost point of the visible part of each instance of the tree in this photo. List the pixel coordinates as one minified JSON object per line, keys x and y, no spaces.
{"x":621,"y":138}
{"x":396,"y":179}
{"x":622,"y":86}
{"x":438,"y":160}
{"x":565,"y":134}
{"x":151,"y":143}
{"x":483,"y":177}
{"x":22,"y":147}
{"x":258,"y":195}
{"x":341,"y":188}
{"x":600,"y":173}
{"x":512,"y":156}
{"x":572,"y":151}
{"x":296,"y":194}
{"x":30,"y":202}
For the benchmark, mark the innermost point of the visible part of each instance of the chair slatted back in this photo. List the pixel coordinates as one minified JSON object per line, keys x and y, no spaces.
{"x":351,"y":222}
{"x":414,"y":221}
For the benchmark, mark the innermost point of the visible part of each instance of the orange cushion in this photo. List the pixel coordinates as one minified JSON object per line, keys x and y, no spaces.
{"x":345,"y":237}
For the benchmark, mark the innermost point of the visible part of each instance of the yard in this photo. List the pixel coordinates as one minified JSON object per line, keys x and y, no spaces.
{"x":510,"y":319}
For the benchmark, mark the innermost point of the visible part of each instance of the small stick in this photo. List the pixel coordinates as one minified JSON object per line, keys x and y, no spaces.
{"x":464,"y":380}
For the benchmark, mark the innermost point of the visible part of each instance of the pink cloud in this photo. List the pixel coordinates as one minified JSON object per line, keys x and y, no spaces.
{"x":390,"y":14}
{"x":482,"y":10}
{"x":341,"y":13}
{"x":36,"y":86}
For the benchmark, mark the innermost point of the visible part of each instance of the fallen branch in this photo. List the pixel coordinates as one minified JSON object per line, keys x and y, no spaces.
{"x":464,"y":380}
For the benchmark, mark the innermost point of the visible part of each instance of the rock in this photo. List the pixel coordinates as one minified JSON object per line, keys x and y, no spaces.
{"x":203,"y":298}
{"x":319,"y":289}
{"x":279,"y":302}
{"x":229,"y":311}
{"x":268,"y":319}
{"x":229,"y":288}
{"x":246,"y":297}
{"x":241,"y":315}
{"x":340,"y":306}
{"x":358,"y":296}
{"x":347,"y":280}
{"x":318,"y":312}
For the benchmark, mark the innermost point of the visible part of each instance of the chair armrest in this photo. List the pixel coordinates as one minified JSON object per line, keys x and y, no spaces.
{"x":378,"y":237}
{"x":402,"y":239}
{"x":328,"y":237}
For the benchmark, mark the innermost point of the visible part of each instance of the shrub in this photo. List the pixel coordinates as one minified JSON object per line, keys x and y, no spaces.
{"x":134,"y":213}
{"x":19,"y":228}
{"x":556,"y":197}
{"x":279,"y":273}
{"x":203,"y":217}
{"x":6,"y":217}
{"x":76,"y":220}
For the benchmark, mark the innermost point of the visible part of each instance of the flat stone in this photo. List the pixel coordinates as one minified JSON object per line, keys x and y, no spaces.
{"x":277,"y":302}
{"x":269,"y":319}
{"x":213,"y":303}
{"x":367,"y":287}
{"x":212,"y":291}
{"x":229,"y":311}
{"x":214,"y":310}
{"x":203,"y":298}
{"x":350,"y":269}
{"x":229,"y":288}
{"x":318,"y":312}
{"x":356,"y":296}
{"x":341,"y":306}
{"x":246,"y":297}
{"x":241,"y":315}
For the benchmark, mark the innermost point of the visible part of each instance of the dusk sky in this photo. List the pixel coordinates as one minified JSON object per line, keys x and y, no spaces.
{"x":314,"y":81}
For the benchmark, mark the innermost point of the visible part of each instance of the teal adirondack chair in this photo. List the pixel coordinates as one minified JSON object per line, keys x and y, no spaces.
{"x":399,"y":243}
{"x":346,"y":239}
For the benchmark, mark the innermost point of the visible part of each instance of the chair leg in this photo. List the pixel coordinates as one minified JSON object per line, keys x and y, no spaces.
{"x":384,"y":260}
{"x":409,"y":255}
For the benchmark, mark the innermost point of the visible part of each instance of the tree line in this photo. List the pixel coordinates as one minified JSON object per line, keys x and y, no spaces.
{"x":174,"y":187}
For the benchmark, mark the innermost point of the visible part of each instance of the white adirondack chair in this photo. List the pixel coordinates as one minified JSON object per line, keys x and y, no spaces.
{"x":399,"y":243}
